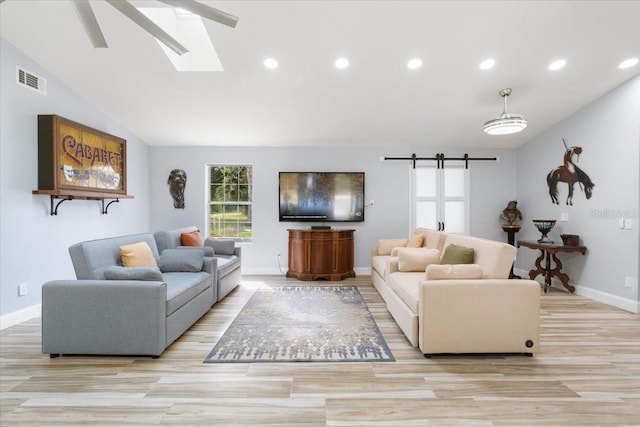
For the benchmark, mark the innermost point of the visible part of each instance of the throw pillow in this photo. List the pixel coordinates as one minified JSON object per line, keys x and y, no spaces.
{"x":192,"y":238}
{"x":187,"y":259}
{"x":117,"y":272}
{"x":417,"y":259}
{"x":137,"y":255}
{"x":386,"y":245}
{"x":222,"y":247}
{"x":454,"y":271}
{"x":206,"y":250}
{"x":455,"y":254}
{"x":416,"y":241}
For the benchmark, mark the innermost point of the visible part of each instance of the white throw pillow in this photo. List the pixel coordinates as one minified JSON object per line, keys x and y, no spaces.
{"x":417,"y":259}
{"x":386,"y":245}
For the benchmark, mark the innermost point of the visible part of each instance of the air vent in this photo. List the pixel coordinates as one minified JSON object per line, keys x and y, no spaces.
{"x":30,"y":80}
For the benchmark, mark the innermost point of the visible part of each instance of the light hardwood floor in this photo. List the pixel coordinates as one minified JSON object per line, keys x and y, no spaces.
{"x":586,"y":373}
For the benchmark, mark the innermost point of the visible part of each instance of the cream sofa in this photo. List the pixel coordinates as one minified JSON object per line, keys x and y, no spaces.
{"x":460,"y":308}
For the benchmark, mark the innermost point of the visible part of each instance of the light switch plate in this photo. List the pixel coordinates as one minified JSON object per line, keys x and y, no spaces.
{"x":564,"y":217}
{"x":627,"y":223}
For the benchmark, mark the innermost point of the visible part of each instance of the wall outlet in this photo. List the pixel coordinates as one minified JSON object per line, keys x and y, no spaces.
{"x":22,"y":289}
{"x":629,"y":281}
{"x":564,"y":217}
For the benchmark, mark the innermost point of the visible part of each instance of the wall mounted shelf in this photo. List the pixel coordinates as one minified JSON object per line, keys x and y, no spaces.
{"x":64,"y":195}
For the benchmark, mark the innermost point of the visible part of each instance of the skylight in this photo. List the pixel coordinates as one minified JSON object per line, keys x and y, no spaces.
{"x":190,"y":31}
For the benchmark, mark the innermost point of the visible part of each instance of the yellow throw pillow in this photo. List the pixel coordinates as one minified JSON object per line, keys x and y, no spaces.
{"x":417,"y":259}
{"x":137,"y":255}
{"x":416,"y":241}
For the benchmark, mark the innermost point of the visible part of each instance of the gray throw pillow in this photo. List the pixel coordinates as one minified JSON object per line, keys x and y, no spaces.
{"x":206,"y":250}
{"x":117,"y":272}
{"x":222,"y":247}
{"x":185,"y":259}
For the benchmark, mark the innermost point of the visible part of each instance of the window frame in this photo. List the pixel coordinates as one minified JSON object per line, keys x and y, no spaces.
{"x":209,"y":202}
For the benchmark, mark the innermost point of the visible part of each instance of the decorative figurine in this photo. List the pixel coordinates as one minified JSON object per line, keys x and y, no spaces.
{"x":177,"y":182}
{"x":511,"y":215}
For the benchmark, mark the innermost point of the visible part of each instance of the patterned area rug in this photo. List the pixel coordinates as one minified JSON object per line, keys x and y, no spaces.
{"x":303,"y":324}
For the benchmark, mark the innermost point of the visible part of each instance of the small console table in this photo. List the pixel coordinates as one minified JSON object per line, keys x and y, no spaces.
{"x":320,"y":254}
{"x":549,"y":251}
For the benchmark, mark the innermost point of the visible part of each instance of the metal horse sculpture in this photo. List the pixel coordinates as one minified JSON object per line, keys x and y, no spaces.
{"x":570,"y":173}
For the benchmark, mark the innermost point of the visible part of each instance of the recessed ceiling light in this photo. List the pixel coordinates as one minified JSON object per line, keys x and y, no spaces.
{"x":270,"y":63}
{"x":414,"y":63}
{"x":556,"y":65}
{"x":628,"y":63}
{"x":342,"y":63}
{"x":487,"y":64}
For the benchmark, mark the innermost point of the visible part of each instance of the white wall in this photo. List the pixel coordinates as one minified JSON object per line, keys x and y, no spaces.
{"x":608,"y":130}
{"x":34,"y":245}
{"x":492,"y":185}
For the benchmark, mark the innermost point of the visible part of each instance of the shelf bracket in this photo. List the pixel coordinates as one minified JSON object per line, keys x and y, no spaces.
{"x":54,"y":211}
{"x":106,"y":208}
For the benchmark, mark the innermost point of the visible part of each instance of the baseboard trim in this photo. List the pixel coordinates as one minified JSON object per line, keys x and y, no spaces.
{"x":20,"y":316}
{"x":594,"y":294}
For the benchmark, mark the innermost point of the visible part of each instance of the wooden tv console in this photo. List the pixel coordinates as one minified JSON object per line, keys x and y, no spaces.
{"x":320,"y":254}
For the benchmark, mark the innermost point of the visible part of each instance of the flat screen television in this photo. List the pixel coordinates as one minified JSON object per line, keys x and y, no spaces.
{"x":321,"y":196}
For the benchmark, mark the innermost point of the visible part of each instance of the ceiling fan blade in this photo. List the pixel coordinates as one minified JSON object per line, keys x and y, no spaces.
{"x":204,"y":11}
{"x":89,"y":22}
{"x":148,"y":25}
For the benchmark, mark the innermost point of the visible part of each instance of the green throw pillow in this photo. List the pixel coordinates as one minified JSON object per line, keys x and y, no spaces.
{"x":455,"y":254}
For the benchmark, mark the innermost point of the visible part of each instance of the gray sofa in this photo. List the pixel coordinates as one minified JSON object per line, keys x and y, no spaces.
{"x":226,"y":259}
{"x":94,"y":315}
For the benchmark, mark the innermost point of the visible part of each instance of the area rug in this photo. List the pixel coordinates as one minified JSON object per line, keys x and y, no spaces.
{"x":303,"y":324}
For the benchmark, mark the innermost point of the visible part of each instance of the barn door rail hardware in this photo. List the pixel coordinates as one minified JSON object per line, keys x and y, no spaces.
{"x":440,"y":158}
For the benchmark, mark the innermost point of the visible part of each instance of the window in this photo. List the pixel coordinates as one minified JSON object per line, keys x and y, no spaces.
{"x":230,"y":199}
{"x":440,"y":198}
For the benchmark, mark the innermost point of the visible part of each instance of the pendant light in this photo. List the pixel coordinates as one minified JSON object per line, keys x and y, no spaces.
{"x":506,"y":123}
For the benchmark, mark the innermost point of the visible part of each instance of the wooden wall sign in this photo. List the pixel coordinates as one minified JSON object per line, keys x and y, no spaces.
{"x":72,"y":156}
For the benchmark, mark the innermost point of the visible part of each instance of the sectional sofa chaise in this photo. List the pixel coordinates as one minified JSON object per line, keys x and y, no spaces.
{"x":445,"y":307}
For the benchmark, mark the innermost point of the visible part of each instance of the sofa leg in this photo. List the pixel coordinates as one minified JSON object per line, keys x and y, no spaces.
{"x":529,"y":354}
{"x":427,"y":356}
{"x":54,"y":355}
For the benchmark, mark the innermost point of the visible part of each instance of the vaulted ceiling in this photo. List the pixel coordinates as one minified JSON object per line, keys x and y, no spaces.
{"x":307,"y":101}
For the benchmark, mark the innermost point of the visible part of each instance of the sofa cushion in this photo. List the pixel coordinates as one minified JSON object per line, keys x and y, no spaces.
{"x":417,"y":259}
{"x":407,"y":287}
{"x":182,"y":287}
{"x":206,"y":250}
{"x":193,"y":238}
{"x":137,"y":255}
{"x":222,"y":247}
{"x":187,"y":259}
{"x":386,"y":245}
{"x":454,"y":271}
{"x":117,"y":272}
{"x":416,"y":241}
{"x":455,"y":254}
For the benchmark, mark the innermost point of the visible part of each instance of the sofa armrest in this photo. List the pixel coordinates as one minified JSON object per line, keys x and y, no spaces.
{"x":479,"y":316}
{"x":104,"y":317}
{"x":210,"y":265}
{"x":374,"y":250}
{"x":392,"y":265}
